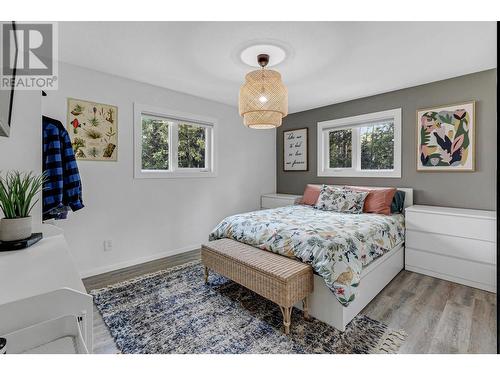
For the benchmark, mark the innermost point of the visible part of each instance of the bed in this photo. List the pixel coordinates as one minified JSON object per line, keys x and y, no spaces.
{"x":354,"y":256}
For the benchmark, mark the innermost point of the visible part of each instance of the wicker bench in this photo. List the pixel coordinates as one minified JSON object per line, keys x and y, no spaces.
{"x":279,"y":279}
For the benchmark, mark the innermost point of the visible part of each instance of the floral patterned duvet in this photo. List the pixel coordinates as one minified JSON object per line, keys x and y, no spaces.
{"x":336,"y":245}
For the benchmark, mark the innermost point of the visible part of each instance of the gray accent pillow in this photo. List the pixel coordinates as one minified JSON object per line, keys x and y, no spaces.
{"x":341,"y":200}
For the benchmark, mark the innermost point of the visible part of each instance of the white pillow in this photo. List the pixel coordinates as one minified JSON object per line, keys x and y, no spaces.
{"x":340,"y":199}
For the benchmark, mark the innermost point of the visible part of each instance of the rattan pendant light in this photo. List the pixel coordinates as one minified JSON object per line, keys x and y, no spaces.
{"x":263,"y":98}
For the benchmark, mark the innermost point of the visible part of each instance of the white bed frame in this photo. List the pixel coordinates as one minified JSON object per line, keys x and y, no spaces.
{"x":324,"y":306}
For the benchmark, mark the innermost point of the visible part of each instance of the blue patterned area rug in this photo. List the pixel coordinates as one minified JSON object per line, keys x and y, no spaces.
{"x":173,"y":311}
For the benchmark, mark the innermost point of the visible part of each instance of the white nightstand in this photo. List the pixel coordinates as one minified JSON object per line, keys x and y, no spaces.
{"x":278,"y":200}
{"x":452,"y":244}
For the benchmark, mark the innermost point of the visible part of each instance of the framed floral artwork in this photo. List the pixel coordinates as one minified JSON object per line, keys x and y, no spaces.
{"x":93,"y":129}
{"x":446,"y":138}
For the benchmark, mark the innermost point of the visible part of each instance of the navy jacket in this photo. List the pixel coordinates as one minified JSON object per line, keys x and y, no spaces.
{"x":63,"y":189}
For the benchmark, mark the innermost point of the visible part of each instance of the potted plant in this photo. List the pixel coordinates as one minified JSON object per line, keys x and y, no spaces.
{"x":18,"y":191}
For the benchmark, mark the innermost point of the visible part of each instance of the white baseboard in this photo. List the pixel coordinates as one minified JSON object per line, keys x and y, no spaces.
{"x":136,"y":261}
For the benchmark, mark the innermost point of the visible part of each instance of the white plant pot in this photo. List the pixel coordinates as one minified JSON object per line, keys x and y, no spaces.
{"x":15,"y":229}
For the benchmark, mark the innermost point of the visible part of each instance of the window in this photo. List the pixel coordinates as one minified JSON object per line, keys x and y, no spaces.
{"x":361,"y":146}
{"x":192,"y":146}
{"x":340,"y":148}
{"x":377,"y":146}
{"x":155,"y":136}
{"x":171,"y":144}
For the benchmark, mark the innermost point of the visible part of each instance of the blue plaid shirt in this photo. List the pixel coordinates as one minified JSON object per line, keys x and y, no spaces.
{"x":63,"y":189}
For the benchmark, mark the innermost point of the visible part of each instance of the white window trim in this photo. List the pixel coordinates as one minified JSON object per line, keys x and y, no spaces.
{"x":211,"y":156}
{"x":352,"y":122}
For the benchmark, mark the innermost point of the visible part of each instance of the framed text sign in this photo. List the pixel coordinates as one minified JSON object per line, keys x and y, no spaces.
{"x":295,"y":150}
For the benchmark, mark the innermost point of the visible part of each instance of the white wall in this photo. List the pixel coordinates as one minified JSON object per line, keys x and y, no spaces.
{"x":151,"y":218}
{"x":23,"y":149}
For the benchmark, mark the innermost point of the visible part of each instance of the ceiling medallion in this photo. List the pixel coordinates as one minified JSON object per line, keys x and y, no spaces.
{"x":263,"y":100}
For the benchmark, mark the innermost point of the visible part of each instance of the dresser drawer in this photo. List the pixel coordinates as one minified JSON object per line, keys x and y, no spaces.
{"x":478,"y":275}
{"x":457,"y":247}
{"x":461,"y":226}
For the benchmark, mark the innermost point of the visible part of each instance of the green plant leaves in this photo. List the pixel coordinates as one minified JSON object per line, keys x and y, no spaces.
{"x":424,"y":136}
{"x":18,"y":191}
{"x":446,"y":118}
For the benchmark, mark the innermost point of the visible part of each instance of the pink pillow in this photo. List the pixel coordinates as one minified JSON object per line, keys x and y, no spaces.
{"x":378,"y":200}
{"x":311,"y":194}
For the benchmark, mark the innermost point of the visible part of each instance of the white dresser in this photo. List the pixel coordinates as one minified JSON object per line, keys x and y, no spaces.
{"x":43,"y":301}
{"x":453,"y":244}
{"x":278,"y":200}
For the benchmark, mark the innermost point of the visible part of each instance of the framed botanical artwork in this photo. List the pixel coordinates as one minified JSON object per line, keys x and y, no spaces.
{"x":93,"y":129}
{"x":446,"y":138}
{"x":295,"y":150}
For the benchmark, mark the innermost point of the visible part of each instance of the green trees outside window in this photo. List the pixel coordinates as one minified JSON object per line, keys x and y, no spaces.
{"x":377,"y":146}
{"x":155,"y":147}
{"x":191,"y":144}
{"x":191,"y":148}
{"x":340,"y":148}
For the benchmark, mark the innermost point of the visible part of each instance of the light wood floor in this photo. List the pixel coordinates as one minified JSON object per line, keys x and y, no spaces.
{"x":438,"y":316}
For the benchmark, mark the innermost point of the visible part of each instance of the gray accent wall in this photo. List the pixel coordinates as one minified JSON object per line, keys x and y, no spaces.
{"x":475,"y":190}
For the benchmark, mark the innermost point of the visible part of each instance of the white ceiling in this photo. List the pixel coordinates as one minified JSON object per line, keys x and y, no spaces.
{"x":328,"y":62}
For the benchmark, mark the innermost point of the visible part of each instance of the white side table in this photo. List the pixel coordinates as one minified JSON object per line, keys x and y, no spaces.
{"x":278,"y":200}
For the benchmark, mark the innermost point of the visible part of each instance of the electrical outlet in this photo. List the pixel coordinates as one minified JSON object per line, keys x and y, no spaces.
{"x":108,"y":245}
